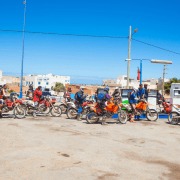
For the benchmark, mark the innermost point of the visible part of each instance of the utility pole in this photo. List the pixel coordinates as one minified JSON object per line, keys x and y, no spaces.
{"x":129,"y":52}
{"x":21,"y":93}
{"x":163,"y":79}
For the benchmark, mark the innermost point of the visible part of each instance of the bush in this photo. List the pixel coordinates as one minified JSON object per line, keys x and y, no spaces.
{"x":59,"y":87}
{"x":10,"y":91}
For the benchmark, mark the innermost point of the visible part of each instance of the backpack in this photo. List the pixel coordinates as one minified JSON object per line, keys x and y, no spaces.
{"x":101,"y":97}
{"x":76,"y":97}
{"x":129,"y":94}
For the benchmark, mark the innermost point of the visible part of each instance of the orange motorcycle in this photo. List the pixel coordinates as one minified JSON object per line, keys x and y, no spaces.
{"x":141,"y":108}
{"x":113,"y":107}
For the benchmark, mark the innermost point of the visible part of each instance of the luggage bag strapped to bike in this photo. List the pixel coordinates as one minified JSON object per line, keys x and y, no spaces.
{"x":101,"y":97}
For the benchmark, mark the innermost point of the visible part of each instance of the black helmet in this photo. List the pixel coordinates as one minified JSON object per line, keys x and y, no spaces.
{"x":39,"y":87}
{"x":30,"y":86}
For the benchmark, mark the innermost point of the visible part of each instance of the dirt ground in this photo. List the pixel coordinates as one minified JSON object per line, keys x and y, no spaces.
{"x":49,"y":148}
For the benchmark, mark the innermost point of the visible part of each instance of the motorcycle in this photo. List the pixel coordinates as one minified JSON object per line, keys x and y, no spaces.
{"x":46,"y":105}
{"x":174,"y":116}
{"x":166,"y":107}
{"x":141,"y":108}
{"x":12,"y":103}
{"x":72,"y":111}
{"x":113,"y":106}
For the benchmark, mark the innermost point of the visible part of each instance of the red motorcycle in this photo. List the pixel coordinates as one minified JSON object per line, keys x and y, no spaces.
{"x":46,"y":106}
{"x":11,"y":103}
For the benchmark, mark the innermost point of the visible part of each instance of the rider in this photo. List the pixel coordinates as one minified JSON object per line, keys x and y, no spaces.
{"x":80,"y":98}
{"x":101,"y":99}
{"x":37,"y":95}
{"x":67,"y":95}
{"x":133,"y":102}
{"x":30,"y":92}
{"x":116,"y":94}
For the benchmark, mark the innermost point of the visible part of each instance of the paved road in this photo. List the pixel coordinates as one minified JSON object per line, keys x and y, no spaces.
{"x":49,"y":148}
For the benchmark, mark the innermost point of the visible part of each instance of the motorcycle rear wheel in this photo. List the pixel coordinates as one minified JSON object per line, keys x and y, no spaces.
{"x":152,"y":115}
{"x":56,"y":111}
{"x":72,"y":113}
{"x":19,"y":112}
{"x":92,"y":118}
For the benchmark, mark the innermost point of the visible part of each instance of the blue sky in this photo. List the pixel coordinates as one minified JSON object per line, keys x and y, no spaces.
{"x":86,"y":59}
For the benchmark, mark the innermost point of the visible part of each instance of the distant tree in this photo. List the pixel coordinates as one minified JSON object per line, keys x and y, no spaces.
{"x":59,"y":87}
{"x":167,"y":85}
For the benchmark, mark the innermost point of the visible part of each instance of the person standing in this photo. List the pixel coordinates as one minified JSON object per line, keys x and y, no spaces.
{"x":146,"y":90}
{"x":37,"y":96}
{"x":140,"y":92}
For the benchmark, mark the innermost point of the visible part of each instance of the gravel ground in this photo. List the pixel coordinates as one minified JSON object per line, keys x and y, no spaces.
{"x":59,"y":148}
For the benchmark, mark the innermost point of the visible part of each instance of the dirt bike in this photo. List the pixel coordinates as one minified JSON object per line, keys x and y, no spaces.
{"x":166,"y":107}
{"x":11,"y":103}
{"x":141,"y":108}
{"x":113,"y":106}
{"x":46,"y":106}
{"x":174,"y":116}
{"x":72,"y":112}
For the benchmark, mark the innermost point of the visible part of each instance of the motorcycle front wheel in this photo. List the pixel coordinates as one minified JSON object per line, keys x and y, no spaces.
{"x":63,"y":108}
{"x":171,"y":119}
{"x":122,"y":116}
{"x":19,"y":112}
{"x":152,"y":115}
{"x":72,"y":113}
{"x":56,"y":111}
{"x":92,"y":117}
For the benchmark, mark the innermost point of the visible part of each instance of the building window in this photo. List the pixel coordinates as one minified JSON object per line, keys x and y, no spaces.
{"x":39,"y":83}
{"x":65,"y":80}
{"x":31,"y":82}
{"x":47,"y":83}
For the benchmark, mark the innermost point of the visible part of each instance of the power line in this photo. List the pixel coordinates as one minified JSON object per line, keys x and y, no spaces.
{"x":91,"y":36}
{"x":155,"y":46}
{"x":62,"y":34}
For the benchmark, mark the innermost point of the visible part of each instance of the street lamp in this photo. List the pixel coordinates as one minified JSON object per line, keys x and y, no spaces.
{"x":162,"y":62}
{"x":129,"y":52}
{"x":21,"y":93}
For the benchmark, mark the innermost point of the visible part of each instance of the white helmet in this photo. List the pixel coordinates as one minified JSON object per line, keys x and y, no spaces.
{"x":135,"y":90}
{"x":82,"y":88}
{"x":117,"y":88}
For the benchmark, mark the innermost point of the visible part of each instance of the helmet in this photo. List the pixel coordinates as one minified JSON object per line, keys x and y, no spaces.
{"x":106,"y":89}
{"x":69,"y":89}
{"x":39,"y":87}
{"x":30,"y":86}
{"x":117,"y":88}
{"x":82,"y":88}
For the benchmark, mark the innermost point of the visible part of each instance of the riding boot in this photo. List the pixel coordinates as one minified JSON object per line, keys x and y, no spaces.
{"x":79,"y":117}
{"x":104,"y":120}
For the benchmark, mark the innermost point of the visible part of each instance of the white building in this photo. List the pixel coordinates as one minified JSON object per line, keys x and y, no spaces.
{"x":160,"y":82}
{"x":2,"y":81}
{"x":122,"y":82}
{"x":46,"y":81}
